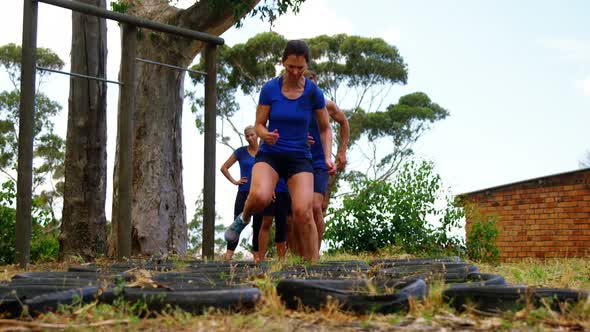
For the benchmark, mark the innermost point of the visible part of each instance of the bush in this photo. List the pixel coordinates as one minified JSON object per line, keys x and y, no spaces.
{"x":44,"y":233}
{"x":481,"y":240}
{"x":380,"y":214}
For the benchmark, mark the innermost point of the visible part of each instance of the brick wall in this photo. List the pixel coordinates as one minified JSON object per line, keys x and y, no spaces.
{"x":540,"y":218}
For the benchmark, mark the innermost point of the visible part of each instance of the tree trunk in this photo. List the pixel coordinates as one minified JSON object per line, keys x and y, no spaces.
{"x":158,"y":208}
{"x":83,"y":229}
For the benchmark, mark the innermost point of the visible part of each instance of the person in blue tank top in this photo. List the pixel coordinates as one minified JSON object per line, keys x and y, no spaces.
{"x":279,"y":209}
{"x":321,"y":173}
{"x":283,"y":115}
{"x":245,"y":156}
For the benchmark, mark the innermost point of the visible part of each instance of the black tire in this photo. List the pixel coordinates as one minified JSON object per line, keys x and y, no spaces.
{"x":164,"y":266}
{"x":474,"y":279}
{"x":323,"y":271}
{"x":385,"y":263}
{"x":439,"y":269}
{"x":219,"y":277}
{"x":197,"y":281}
{"x":349,"y":265}
{"x":10,"y":304}
{"x":324,"y":275}
{"x":51,"y":301}
{"x":195,"y":301}
{"x":327,"y":268}
{"x":503,"y":298}
{"x":71,"y":276}
{"x":352,"y":295}
{"x":25,"y":292}
{"x":55,"y":282}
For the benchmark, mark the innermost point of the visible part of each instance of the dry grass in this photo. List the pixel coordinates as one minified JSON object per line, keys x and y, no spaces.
{"x":431,"y":314}
{"x":557,"y":272}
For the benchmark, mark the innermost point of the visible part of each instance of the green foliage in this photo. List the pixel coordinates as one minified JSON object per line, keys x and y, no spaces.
{"x":10,"y":59}
{"x":7,"y":223}
{"x":48,"y":146}
{"x":195,"y":230}
{"x":360,"y":63}
{"x":120,"y":6}
{"x":400,"y":124}
{"x":481,"y":240}
{"x":380,"y":214}
{"x":400,"y":120}
{"x":44,"y":236}
{"x":268,"y":11}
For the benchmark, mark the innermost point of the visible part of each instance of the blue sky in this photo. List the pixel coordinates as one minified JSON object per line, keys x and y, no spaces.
{"x":515,"y":76}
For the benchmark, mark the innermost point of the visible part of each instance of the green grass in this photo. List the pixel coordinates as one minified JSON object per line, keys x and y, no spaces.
{"x":558,"y":272}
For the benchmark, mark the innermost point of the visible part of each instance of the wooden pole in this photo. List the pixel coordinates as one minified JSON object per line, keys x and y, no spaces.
{"x":209,"y":157}
{"x":125,"y":129}
{"x":24,"y":191}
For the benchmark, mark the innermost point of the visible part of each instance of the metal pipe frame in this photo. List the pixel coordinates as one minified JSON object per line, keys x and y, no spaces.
{"x":209,"y":153}
{"x":171,"y":66}
{"x":134,"y":20}
{"x":24,"y":184}
{"x":79,"y":75}
{"x":125,"y":129}
{"x":27,"y":112}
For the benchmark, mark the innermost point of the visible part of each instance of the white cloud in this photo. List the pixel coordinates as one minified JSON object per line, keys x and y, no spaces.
{"x":584,"y":86}
{"x":314,"y":18}
{"x":571,"y":49}
{"x":391,"y":35}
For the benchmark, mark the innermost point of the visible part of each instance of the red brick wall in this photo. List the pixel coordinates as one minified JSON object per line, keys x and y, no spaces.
{"x":543,"y":217}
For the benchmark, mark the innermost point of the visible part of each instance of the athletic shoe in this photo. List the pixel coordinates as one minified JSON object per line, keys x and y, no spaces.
{"x":232,"y":233}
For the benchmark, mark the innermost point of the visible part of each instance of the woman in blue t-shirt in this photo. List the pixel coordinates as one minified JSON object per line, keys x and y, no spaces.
{"x":283,"y":116}
{"x":245,"y":156}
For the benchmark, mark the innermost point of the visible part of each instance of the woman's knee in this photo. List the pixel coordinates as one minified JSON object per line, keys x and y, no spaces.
{"x":303,"y":214}
{"x":259,"y":199}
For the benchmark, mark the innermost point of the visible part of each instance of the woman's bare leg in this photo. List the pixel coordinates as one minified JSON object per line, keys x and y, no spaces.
{"x":263,"y":237}
{"x":301,"y":190}
{"x":318,"y":218}
{"x":281,"y":249}
{"x":264,"y":180}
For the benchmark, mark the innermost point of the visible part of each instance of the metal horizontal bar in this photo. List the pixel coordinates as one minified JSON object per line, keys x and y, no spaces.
{"x":170,"y":66}
{"x":134,"y":20}
{"x":79,"y":75}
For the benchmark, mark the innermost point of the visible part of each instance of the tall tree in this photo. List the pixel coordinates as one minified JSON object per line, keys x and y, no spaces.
{"x":83,"y":229}
{"x":158,"y":208}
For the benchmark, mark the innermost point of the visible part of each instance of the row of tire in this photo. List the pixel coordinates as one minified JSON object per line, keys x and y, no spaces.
{"x":380,"y":286}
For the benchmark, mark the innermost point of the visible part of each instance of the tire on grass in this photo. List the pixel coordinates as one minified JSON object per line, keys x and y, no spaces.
{"x":52,"y":301}
{"x":352,"y":295}
{"x":510,"y":298}
{"x":195,"y":301}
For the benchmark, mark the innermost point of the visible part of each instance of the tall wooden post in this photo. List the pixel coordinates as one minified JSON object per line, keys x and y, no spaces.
{"x":24,"y":191}
{"x":209,"y":167}
{"x":125,"y":129}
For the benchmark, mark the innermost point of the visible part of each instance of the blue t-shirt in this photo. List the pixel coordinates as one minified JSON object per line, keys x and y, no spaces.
{"x":317,"y":149}
{"x":291,"y":117}
{"x":281,"y":186}
{"x":246,"y":161}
